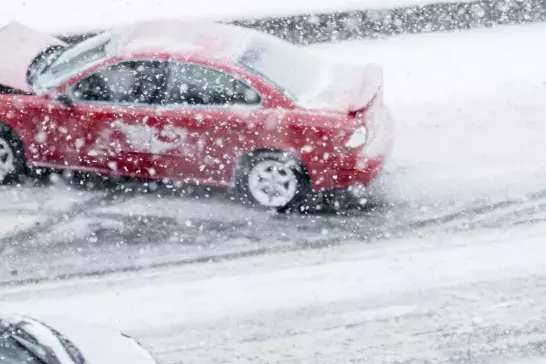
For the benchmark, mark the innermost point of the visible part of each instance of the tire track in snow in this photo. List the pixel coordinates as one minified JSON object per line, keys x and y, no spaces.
{"x":162,"y":238}
{"x":77,"y":209}
{"x":492,"y":214}
{"x":483,"y":322}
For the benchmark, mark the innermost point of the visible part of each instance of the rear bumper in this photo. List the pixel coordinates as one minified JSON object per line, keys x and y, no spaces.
{"x":360,"y":166}
{"x":343,"y":178}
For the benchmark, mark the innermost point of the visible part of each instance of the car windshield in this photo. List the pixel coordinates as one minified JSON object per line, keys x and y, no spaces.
{"x":73,"y":61}
{"x":289,"y":68}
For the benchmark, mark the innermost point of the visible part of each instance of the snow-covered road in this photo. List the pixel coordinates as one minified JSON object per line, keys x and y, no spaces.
{"x":470,"y":298}
{"x":453,"y":269}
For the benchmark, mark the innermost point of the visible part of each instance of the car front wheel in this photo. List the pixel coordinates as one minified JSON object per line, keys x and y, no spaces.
{"x":12,"y":156}
{"x":274,"y":180}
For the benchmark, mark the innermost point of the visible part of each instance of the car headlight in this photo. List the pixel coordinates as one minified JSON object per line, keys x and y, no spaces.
{"x":358,"y":138}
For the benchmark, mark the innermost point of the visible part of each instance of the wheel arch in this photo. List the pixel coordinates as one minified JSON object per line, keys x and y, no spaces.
{"x":245,"y":158}
{"x":4,"y":126}
{"x":14,"y":138}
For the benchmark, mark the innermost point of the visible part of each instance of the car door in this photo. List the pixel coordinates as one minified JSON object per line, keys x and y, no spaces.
{"x":106,"y":126}
{"x":200,"y":116}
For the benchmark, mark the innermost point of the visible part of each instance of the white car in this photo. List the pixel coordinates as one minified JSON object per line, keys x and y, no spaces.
{"x":24,"y":340}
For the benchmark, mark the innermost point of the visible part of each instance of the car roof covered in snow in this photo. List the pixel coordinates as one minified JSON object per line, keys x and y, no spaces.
{"x":182,"y":37}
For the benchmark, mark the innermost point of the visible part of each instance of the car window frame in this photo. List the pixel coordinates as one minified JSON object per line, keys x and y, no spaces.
{"x":239,"y":78}
{"x":69,"y":91}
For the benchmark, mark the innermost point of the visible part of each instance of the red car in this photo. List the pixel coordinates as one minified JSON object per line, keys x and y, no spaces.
{"x":195,"y":102}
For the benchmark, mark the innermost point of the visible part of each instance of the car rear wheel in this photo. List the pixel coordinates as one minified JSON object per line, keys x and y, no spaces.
{"x":274,"y":180}
{"x":12,"y":156}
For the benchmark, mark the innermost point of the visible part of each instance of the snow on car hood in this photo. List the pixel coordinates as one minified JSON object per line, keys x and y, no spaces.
{"x":19,"y":46}
{"x":97,"y":345}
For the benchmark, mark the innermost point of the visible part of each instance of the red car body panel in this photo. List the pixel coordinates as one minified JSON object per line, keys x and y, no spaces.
{"x":197,"y":145}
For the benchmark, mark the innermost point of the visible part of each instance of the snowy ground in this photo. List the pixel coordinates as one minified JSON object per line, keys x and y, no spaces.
{"x":451,"y":269}
{"x":469,"y":154}
{"x":474,"y":298}
{"x":83,"y":14}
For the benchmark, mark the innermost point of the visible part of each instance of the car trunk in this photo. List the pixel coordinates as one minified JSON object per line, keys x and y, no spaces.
{"x":345,"y":88}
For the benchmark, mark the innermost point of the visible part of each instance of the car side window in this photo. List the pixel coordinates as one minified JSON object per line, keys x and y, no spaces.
{"x":195,"y":85}
{"x":130,"y":82}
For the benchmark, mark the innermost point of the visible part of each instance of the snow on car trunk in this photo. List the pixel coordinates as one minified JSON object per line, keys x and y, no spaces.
{"x":344,"y":87}
{"x":312,"y":82}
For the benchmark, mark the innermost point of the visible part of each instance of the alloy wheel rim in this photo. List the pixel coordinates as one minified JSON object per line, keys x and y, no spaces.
{"x":273,"y":183}
{"x":7,"y":159}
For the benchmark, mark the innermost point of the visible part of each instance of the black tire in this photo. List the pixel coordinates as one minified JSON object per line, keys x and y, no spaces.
{"x":292,"y":166}
{"x":10,"y":140}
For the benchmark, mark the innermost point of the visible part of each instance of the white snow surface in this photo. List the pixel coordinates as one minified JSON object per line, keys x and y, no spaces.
{"x":140,"y":302}
{"x":180,"y":307}
{"x":470,"y":110}
{"x":99,"y":14}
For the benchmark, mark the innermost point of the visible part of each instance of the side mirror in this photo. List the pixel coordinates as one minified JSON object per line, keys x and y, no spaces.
{"x":65,"y":100}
